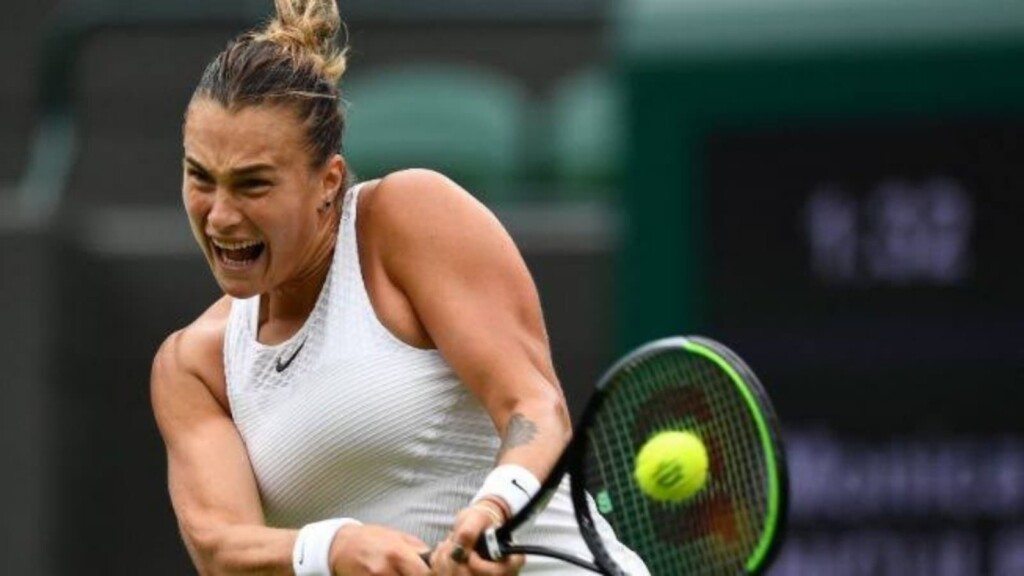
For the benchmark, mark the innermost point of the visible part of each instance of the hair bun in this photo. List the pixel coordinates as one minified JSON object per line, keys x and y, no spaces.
{"x":308,"y":29}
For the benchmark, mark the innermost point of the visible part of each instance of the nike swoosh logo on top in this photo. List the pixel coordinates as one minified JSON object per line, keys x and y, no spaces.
{"x":281,"y":367}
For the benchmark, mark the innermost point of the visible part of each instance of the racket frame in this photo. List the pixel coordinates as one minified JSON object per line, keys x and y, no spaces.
{"x":762,"y":412}
{"x":498,"y":542}
{"x":771,"y":438}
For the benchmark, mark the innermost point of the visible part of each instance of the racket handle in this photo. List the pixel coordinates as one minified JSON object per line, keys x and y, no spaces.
{"x":481,"y":548}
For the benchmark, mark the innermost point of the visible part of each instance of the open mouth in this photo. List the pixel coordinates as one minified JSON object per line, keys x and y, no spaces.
{"x":239,"y":254}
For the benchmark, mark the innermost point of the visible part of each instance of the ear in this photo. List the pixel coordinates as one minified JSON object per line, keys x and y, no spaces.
{"x":332,"y":179}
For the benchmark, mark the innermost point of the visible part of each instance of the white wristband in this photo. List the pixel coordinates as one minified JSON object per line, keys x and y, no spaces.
{"x":513,"y":484}
{"x":312,"y":553}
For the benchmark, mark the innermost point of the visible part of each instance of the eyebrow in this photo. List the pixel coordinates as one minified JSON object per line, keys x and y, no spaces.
{"x":236,"y":173}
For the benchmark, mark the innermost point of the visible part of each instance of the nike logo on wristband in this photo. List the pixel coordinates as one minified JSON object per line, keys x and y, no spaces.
{"x":523,"y":490}
{"x":302,"y":554}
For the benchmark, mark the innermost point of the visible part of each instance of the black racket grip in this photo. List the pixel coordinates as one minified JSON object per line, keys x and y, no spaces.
{"x":481,"y":549}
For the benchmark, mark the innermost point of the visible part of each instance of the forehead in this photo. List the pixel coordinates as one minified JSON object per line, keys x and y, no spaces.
{"x":222,"y":138}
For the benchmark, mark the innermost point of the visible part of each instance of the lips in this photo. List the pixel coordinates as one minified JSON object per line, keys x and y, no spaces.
{"x":237,"y":253}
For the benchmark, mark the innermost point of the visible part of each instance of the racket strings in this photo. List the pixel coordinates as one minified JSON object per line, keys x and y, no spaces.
{"x":722,"y":524}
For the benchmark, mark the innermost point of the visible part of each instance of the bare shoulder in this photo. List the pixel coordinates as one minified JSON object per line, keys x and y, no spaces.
{"x":194,"y":353}
{"x":418,"y":233}
{"x":426,"y":208}
{"x":421,"y":196}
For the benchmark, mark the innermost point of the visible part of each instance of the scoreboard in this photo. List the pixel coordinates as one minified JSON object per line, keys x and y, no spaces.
{"x":874,"y":261}
{"x":836,"y":190}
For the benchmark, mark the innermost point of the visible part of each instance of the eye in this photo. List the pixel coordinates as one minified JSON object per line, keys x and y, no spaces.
{"x":253,"y":186}
{"x":251,"y":183}
{"x":199,"y":177}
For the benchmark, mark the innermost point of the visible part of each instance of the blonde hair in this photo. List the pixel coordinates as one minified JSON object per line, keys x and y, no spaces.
{"x":308,"y":29}
{"x":293,"y":61}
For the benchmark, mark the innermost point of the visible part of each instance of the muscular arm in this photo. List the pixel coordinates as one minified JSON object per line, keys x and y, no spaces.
{"x":212,"y":486}
{"x":211,"y":483}
{"x":477,"y":304}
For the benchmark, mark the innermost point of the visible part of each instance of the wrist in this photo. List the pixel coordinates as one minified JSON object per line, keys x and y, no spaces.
{"x":510,"y":485}
{"x":495,"y":508}
{"x":314,"y":550}
{"x":340,"y":544}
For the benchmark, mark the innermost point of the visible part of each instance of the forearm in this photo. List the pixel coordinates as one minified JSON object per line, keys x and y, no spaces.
{"x":227,"y":550}
{"x":535,"y":433}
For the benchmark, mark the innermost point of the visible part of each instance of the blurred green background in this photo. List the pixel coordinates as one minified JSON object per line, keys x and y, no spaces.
{"x":833,"y":188}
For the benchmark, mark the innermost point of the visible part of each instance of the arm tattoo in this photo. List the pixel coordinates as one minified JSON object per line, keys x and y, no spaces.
{"x":519,"y":431}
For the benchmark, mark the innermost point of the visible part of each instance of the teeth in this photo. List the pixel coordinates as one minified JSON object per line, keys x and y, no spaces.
{"x":227,"y":245}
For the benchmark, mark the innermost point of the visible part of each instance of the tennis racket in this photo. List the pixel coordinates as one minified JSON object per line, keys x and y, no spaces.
{"x":732,"y":525}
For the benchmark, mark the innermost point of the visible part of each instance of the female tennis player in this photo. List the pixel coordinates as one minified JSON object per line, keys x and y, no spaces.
{"x":376,"y":381}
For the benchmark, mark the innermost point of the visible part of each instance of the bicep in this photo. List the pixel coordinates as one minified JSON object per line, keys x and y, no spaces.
{"x":479,"y":305}
{"x":209,"y":476}
{"x":475,"y":297}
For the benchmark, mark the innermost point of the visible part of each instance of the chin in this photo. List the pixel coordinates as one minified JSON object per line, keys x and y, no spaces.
{"x":238,"y":291}
{"x":239,"y":294}
{"x":236,"y":287}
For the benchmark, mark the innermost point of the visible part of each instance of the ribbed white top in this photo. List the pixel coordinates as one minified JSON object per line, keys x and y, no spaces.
{"x":360,"y":424}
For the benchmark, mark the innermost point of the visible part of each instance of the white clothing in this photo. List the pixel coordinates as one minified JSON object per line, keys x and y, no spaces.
{"x":345,"y":420}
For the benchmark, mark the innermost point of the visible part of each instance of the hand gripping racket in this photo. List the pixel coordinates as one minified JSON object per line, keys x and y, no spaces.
{"x":732,"y":525}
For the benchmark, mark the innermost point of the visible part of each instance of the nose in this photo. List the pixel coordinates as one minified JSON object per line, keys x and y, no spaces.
{"x":224,"y":214}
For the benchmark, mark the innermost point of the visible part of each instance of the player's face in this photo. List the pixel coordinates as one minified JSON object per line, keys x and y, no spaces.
{"x":253,"y":199}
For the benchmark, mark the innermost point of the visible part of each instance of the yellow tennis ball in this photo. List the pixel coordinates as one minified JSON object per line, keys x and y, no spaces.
{"x":672,"y":466}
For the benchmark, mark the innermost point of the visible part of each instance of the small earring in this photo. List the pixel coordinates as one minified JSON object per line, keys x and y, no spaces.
{"x":325,"y":206}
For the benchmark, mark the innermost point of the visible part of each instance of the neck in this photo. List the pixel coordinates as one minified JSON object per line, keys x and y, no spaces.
{"x":284,"y":309}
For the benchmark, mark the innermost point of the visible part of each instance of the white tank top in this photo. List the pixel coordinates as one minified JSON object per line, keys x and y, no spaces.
{"x":344,"y":419}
